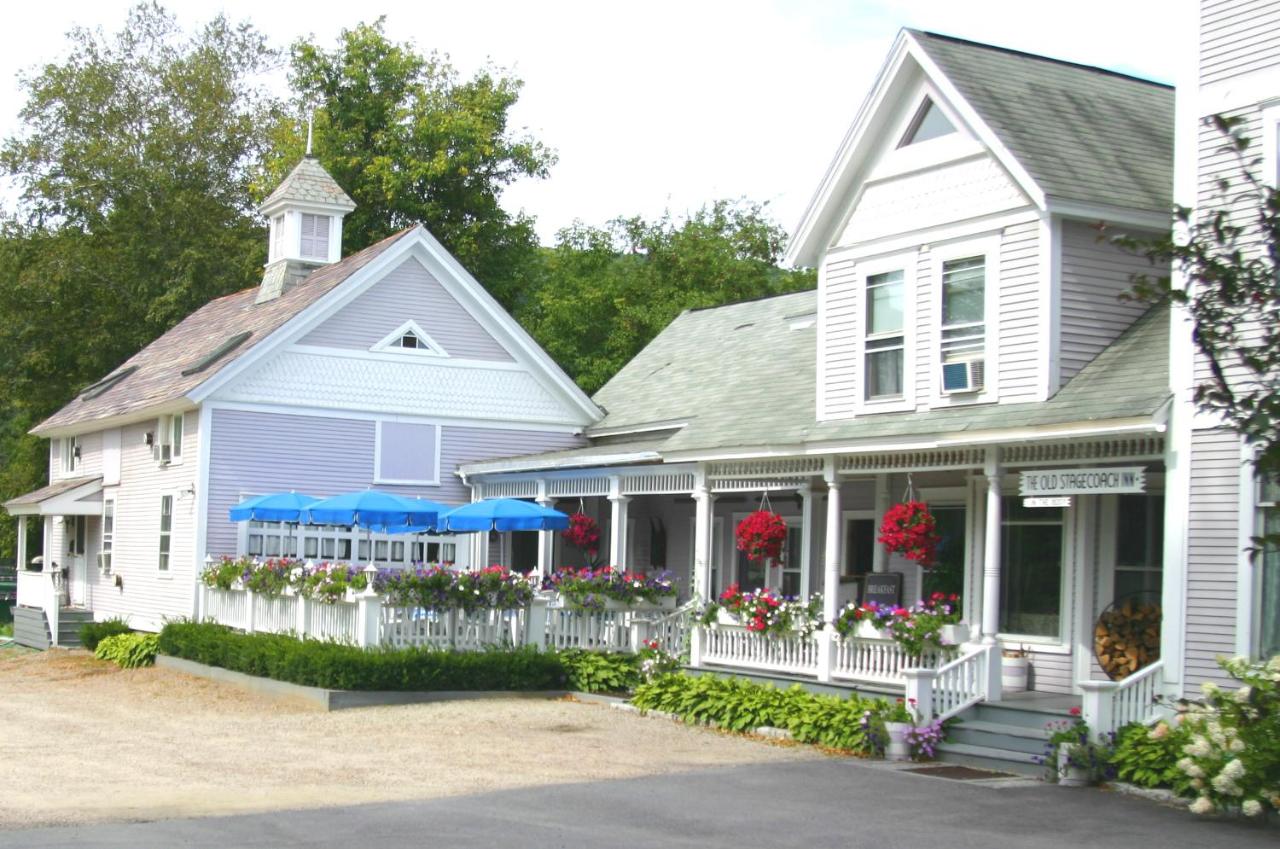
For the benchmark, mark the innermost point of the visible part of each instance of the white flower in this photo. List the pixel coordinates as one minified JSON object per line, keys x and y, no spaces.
{"x":1198,"y":747}
{"x":1234,"y":769}
{"x":1202,"y":805}
{"x":1243,"y":694}
{"x":1209,"y":688}
{"x":1237,"y":745}
{"x":1251,"y":808}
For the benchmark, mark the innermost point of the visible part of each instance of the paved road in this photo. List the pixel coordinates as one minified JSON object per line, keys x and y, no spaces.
{"x":826,"y":803}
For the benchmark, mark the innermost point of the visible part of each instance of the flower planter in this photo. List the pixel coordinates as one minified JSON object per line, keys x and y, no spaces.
{"x":1013,"y":674}
{"x":954,"y":635}
{"x":665,"y":603}
{"x":898,"y":749}
{"x":724,"y":617}
{"x":868,"y":631}
{"x":1070,"y":775}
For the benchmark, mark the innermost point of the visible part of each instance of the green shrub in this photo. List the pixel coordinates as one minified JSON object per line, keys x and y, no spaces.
{"x":342,"y":667}
{"x":128,"y":651}
{"x":852,"y":724}
{"x":92,"y":633}
{"x":1148,"y":757}
{"x":600,"y":672}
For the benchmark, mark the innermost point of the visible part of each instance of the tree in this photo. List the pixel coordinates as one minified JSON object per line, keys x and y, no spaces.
{"x":608,"y":291}
{"x":411,"y":142}
{"x":1229,"y":255}
{"x":133,"y":169}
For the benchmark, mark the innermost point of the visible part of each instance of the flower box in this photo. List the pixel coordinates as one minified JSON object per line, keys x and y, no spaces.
{"x":665,"y":603}
{"x":867,"y":630}
{"x":724,"y":617}
{"x":954,"y":635}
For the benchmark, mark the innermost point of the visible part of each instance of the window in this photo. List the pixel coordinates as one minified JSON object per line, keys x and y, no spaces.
{"x":947,"y":575}
{"x":929,"y":123}
{"x":409,"y":337}
{"x":963,"y":324}
{"x":1139,"y":546}
{"x":1269,"y":574}
{"x":1031,"y":570}
{"x":792,"y":560}
{"x":411,"y":340}
{"x":70,"y":453}
{"x":176,"y":424}
{"x":884,"y":341}
{"x":166,"y":529}
{"x":74,"y":531}
{"x":108,"y":534}
{"x":315,"y":236}
{"x":168,"y":444}
{"x":859,"y":546}
{"x":277,"y":237}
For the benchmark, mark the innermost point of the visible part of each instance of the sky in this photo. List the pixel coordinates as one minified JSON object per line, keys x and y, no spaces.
{"x":662,"y":105}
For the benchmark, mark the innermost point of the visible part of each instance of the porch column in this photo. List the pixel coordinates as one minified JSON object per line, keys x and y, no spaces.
{"x":806,"y":537}
{"x":546,"y":539}
{"x":20,"y":556}
{"x":618,"y":527}
{"x":991,"y":555}
{"x":703,"y":504}
{"x":831,"y":560}
{"x":880,"y":557}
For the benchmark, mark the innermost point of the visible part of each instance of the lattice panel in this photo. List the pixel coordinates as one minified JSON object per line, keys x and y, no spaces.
{"x":509,"y":489}
{"x":1125,"y":448}
{"x":757,"y":469}
{"x":657,"y":483}
{"x":942,"y":458}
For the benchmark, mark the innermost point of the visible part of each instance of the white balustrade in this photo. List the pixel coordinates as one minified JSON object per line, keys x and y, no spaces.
{"x":944,"y":692}
{"x":877,"y":660}
{"x":1108,"y":706}
{"x":599,"y":630}
{"x":35,"y":589}
{"x":734,"y":645}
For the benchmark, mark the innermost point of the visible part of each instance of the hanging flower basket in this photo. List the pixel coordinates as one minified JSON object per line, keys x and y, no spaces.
{"x":583,"y":533}
{"x":761,"y":535}
{"x":909,"y":529}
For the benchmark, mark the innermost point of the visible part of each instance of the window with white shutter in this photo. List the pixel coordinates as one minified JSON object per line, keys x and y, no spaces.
{"x":315,"y":236}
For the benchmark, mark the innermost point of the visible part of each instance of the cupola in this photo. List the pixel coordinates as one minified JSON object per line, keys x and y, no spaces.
{"x":304,"y":215}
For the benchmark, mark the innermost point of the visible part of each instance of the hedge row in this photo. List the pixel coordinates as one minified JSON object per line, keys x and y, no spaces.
{"x":340,"y":667}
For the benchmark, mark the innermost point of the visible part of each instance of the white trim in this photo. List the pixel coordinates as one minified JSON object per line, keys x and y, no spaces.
{"x":422,"y":246}
{"x":377,"y":454}
{"x":1270,"y":119}
{"x":132,"y":417}
{"x":989,"y":248}
{"x":1050,"y":306}
{"x":820,"y":333}
{"x":497,"y":467}
{"x":397,"y":355}
{"x":1246,"y":573}
{"x":364,"y":415}
{"x":898,"y":243}
{"x":69,"y":503}
{"x":388,"y":344}
{"x":1157,"y":220}
{"x":204,"y":446}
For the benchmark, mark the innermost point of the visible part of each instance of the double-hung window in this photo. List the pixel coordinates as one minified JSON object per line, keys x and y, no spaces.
{"x":884,"y":341}
{"x":964,"y":330}
{"x":1268,"y":610}
{"x":70,"y":450}
{"x":108,"y":534}
{"x":166,"y":530}
{"x":315,"y":236}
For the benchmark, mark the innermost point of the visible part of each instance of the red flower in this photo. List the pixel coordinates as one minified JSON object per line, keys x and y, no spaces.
{"x":909,"y":529}
{"x":583,"y":532}
{"x":1075,"y":711}
{"x":761,"y":535}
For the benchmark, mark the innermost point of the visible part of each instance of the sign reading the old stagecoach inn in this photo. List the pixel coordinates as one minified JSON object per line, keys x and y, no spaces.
{"x":1103,"y":481}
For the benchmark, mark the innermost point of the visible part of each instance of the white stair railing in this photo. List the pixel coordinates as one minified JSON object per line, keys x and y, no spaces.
{"x":941,"y":693}
{"x":1108,"y":706}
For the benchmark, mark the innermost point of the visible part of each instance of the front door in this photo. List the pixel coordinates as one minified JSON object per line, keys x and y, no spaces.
{"x":77,"y":566}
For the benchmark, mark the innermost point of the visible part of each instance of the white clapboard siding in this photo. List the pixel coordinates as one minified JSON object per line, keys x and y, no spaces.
{"x":1238,"y":37}
{"x":926,"y":353}
{"x":1020,"y":337}
{"x":1094,"y":274}
{"x":839,"y":343}
{"x":408,"y":293}
{"x":1213,"y":551}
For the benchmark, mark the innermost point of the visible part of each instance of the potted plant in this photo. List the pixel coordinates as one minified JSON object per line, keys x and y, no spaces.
{"x":898,"y":723}
{"x":909,"y":529}
{"x":761,"y":535}
{"x":1015,"y":666}
{"x":1074,"y":759}
{"x":583,"y":533}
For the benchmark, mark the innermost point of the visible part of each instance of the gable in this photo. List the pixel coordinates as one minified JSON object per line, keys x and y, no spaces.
{"x":408,"y":293}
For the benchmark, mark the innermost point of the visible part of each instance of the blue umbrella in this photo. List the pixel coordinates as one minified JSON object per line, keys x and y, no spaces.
{"x":370,"y":508}
{"x":504,"y":514}
{"x":275,"y":507}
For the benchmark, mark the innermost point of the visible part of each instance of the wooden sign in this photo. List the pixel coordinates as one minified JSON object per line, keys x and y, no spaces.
{"x":1100,"y":481}
{"x":1047,"y":501}
{"x":882,"y":588}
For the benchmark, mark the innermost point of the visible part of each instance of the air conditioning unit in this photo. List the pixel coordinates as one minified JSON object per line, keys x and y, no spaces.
{"x":163,"y":454}
{"x":104,"y":562}
{"x":964,"y":376}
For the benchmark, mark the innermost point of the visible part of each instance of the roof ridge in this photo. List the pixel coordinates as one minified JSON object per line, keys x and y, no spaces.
{"x":756,"y":299}
{"x":1028,"y":55}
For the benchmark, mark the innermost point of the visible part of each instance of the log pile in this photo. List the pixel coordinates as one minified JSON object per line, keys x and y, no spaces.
{"x":1127,"y":638}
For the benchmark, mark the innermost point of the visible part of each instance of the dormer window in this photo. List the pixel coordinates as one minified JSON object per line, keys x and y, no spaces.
{"x":412,"y":339}
{"x":929,"y":123}
{"x":315,"y":236}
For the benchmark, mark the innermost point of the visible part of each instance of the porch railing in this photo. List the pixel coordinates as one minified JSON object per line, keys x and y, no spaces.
{"x":876,"y":660}
{"x":945,"y":691}
{"x":1108,"y":706}
{"x":734,"y":645}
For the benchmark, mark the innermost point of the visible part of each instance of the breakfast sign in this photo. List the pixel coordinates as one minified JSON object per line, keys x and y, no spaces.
{"x":1100,"y":481}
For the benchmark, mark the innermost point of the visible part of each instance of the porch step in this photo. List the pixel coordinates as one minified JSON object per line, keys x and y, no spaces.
{"x":983,"y":757}
{"x":994,"y":735}
{"x":30,"y":628}
{"x":1017,"y":714}
{"x":70,"y":621}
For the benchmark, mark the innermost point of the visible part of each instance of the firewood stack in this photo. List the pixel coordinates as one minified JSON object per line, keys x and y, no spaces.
{"x":1127,"y":637}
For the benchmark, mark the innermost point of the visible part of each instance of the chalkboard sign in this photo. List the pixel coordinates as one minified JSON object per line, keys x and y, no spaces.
{"x":883,"y":588}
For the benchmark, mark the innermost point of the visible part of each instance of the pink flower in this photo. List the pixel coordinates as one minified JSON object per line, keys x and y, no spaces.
{"x":1075,"y":711}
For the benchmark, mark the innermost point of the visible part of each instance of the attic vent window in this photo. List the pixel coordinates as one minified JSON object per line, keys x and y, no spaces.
{"x":217,"y":353}
{"x":929,"y":123}
{"x":409,"y":338}
{"x":93,"y":390}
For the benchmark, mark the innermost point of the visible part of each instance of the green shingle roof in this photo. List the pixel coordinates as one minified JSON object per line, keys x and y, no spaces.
{"x":308,"y":182}
{"x":1082,"y":133}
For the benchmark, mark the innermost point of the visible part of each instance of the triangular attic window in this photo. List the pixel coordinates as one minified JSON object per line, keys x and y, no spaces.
{"x":409,"y":337}
{"x":929,"y":123}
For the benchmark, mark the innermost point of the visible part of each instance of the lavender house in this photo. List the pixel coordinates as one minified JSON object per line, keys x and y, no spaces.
{"x":388,"y":368}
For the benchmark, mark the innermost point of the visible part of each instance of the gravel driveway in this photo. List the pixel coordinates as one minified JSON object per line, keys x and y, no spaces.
{"x":82,"y":741}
